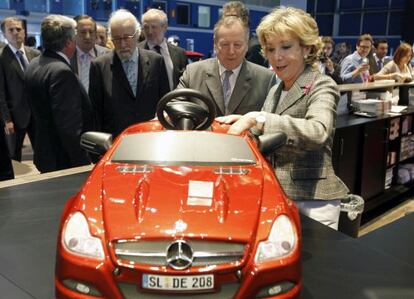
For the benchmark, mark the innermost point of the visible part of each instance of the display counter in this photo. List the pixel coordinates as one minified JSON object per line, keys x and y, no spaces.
{"x":334,"y":265}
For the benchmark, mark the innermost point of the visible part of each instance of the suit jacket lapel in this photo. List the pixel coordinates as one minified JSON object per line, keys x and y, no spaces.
{"x":143,"y":72}
{"x":297,"y":91}
{"x":240,"y":89}
{"x":213,"y":83}
{"x":119,"y":73}
{"x":13,"y":61}
{"x":74,"y":62}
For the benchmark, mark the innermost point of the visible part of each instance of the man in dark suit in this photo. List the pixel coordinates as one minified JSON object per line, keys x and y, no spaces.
{"x":86,"y":48}
{"x":126,"y":85}
{"x":60,"y":103}
{"x":245,"y":87}
{"x":154,"y":26}
{"x":15,"y":110}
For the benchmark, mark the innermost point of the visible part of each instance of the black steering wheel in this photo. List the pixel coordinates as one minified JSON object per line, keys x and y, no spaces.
{"x":187,"y":109}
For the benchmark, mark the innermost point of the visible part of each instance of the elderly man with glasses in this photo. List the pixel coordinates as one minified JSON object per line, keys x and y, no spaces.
{"x":126,"y":84}
{"x":236,"y":85}
{"x":355,"y":67}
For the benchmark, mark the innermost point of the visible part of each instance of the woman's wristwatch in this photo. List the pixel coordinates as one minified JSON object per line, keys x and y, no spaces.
{"x":260,"y":121}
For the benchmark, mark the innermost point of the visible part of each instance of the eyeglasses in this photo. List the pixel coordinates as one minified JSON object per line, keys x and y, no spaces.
{"x":364,"y":47}
{"x":123,"y":38}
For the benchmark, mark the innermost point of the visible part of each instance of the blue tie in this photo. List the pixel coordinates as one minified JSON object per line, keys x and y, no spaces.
{"x":131,"y":75}
{"x":23,"y":62}
{"x":227,"y":87}
{"x":379,"y":63}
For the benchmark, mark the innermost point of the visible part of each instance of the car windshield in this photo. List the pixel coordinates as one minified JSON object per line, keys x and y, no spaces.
{"x":183,"y":148}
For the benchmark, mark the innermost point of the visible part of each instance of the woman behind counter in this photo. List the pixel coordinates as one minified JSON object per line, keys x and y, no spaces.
{"x":303,"y":106}
{"x":399,"y":69}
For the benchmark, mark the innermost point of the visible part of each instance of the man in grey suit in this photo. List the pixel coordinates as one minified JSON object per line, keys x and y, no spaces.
{"x":379,"y":58}
{"x":237,"y":86}
{"x":154,"y":26}
{"x":86,"y":48}
{"x":14,"y":108}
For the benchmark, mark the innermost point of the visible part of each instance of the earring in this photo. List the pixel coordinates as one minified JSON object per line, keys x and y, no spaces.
{"x":305,"y":56}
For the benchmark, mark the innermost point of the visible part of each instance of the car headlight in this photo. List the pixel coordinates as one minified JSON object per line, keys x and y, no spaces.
{"x":281,"y":241}
{"x":78,"y":239}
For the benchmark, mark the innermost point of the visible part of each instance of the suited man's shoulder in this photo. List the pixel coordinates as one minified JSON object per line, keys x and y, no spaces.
{"x":101,"y":50}
{"x":105,"y":58}
{"x":143,"y":45}
{"x":176,"y":49}
{"x":33,"y":52}
{"x":152,"y":55}
{"x":202,"y":64}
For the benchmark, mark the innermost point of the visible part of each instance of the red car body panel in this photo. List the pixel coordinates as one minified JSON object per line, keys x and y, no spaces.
{"x":145,"y":206}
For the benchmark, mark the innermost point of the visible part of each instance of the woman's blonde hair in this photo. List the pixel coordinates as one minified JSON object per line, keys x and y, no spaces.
{"x":294,"y":22}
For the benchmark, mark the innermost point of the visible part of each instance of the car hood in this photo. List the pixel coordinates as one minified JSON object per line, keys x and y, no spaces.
{"x":159,"y":202}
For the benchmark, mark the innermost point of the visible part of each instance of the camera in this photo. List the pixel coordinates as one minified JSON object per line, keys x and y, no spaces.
{"x":323,"y":58}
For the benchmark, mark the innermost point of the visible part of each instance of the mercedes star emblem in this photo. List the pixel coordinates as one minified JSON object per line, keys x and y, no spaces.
{"x":179,"y":255}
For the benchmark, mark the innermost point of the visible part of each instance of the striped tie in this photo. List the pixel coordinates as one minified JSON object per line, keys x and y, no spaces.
{"x":23,"y":62}
{"x":227,"y":87}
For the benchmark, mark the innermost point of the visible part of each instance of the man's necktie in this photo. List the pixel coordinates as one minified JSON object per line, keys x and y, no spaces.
{"x":84,"y":71}
{"x":379,"y":64}
{"x":23,"y":62}
{"x":227,"y":87}
{"x":132,"y":78}
{"x":157,"y":49}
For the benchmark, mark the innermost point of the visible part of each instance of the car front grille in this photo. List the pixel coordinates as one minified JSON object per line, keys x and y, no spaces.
{"x":205,"y":253}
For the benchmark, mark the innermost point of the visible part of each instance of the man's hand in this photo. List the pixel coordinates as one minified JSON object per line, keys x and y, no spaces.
{"x":9,"y":128}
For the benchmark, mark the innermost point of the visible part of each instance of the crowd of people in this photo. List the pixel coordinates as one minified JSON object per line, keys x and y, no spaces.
{"x":82,"y":80}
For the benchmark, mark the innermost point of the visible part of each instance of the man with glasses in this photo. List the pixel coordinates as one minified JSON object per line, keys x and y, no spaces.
{"x":15,"y":110}
{"x":237,"y":86}
{"x":154,"y":25}
{"x":127,"y":83}
{"x":86,"y":48}
{"x":355,"y":67}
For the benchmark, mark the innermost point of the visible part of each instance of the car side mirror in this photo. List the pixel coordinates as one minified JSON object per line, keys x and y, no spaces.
{"x":271,"y":142}
{"x":96,"y":142}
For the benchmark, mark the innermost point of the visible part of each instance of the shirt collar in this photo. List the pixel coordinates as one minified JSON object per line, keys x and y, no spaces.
{"x":163,"y":44}
{"x":64,"y":56}
{"x":222,"y":69}
{"x":15,"y":49}
{"x":80,"y":52}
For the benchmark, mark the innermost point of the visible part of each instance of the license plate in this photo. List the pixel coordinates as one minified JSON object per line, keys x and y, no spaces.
{"x":178,"y":283}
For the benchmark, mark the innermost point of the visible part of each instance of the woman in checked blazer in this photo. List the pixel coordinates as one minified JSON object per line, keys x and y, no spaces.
{"x":303,"y":106}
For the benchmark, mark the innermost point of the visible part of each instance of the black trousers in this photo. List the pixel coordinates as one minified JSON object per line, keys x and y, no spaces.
{"x":6,"y":168}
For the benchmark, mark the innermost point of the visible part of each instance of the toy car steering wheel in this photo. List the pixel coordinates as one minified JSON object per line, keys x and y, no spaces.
{"x":185,"y":111}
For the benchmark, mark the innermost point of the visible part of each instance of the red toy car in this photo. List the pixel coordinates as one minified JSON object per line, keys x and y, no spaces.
{"x":190,"y":210}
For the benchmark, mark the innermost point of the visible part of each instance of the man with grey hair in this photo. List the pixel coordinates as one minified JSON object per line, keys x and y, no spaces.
{"x":236,"y":85}
{"x":126,"y":84}
{"x":60,"y":103}
{"x":155,"y":24}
